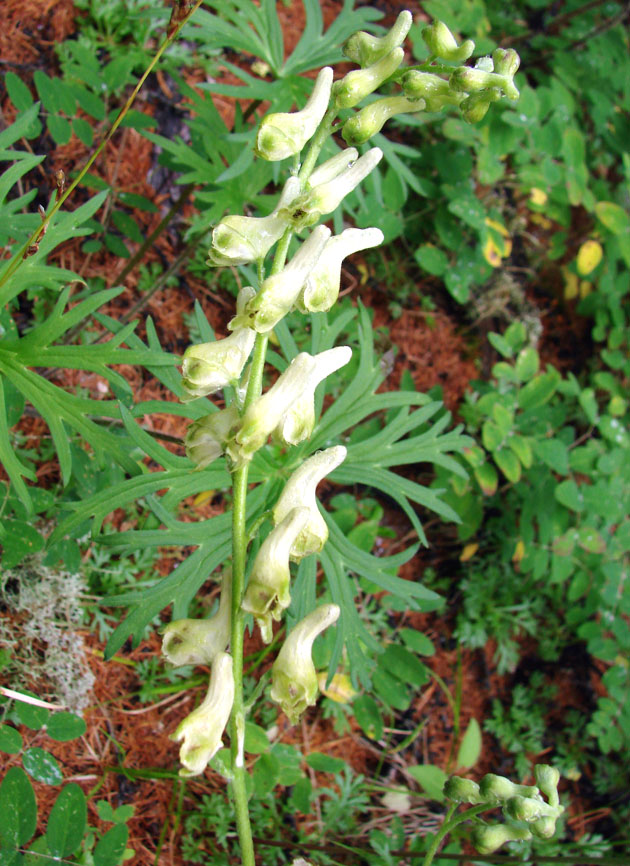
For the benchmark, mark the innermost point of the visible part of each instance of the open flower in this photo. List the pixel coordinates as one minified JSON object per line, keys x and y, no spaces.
{"x":279,"y":292}
{"x":299,"y":492}
{"x":356,"y":85}
{"x":333,"y":167}
{"x":203,"y":729}
{"x":293,"y":675}
{"x":209,"y":367}
{"x":366,"y":49}
{"x":206,"y":437}
{"x":267,"y":594}
{"x":322,"y":284}
{"x":285,"y":134}
{"x":199,"y":641}
{"x":237,"y":240}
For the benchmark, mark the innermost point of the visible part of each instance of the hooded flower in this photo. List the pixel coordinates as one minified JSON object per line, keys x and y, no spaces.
{"x":287,"y":408}
{"x":469,"y":80}
{"x":299,"y":492}
{"x":279,"y":292}
{"x":293,"y":675}
{"x":442,"y":43}
{"x":366,"y":49}
{"x":285,"y":134}
{"x":209,"y":367}
{"x":323,"y":283}
{"x":203,"y":729}
{"x":267,"y":594}
{"x":488,"y":838}
{"x":333,"y":167}
{"x":237,"y":240}
{"x":371,"y":119}
{"x":199,"y":641}
{"x":206,"y":437}
{"x":356,"y":85}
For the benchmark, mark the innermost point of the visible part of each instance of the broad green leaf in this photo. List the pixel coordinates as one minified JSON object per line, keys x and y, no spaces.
{"x":568,"y":494}
{"x":18,"y":809}
{"x":265,"y":774}
{"x":487,"y":478}
{"x":418,"y":641}
{"x":41,"y":765}
{"x":590,"y":540}
{"x":110,"y":848}
{"x":390,"y":690}
{"x":67,"y":821}
{"x":432,"y":259}
{"x":614,"y":217}
{"x":554,"y":453}
{"x":30,"y":715}
{"x":325,"y":763}
{"x":508,"y":463}
{"x":403,"y":665}
{"x":19,"y":93}
{"x":431,"y":779}
{"x":10,"y":740}
{"x":65,"y":726}
{"x":368,"y":715}
{"x":539,"y":391}
{"x":527,"y":363}
{"x":522,"y":448}
{"x":469,"y":750}
{"x":256,"y":740}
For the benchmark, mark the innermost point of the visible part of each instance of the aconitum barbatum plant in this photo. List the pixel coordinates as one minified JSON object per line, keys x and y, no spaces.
{"x":308,"y":281}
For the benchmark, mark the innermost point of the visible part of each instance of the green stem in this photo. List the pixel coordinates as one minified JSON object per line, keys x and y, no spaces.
{"x":448,"y":825}
{"x":317,"y":142}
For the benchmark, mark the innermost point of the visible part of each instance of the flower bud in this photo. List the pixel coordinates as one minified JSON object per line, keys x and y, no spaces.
{"x":544,"y":828}
{"x":285,"y":134}
{"x":198,"y":641}
{"x":547,"y":779}
{"x":208,"y":367}
{"x":372,"y":118}
{"x":299,"y":492}
{"x":442,"y":43}
{"x":366,"y":49}
{"x":356,"y":85}
{"x":279,"y":292}
{"x":506,"y":61}
{"x":462,"y":790}
{"x":527,"y":809}
{"x":237,"y":240}
{"x":326,"y":197}
{"x":498,"y":789}
{"x":468,"y":80}
{"x":206,"y":437}
{"x":293,"y":675}
{"x":323,"y":283}
{"x":434,"y":90}
{"x":202,"y":730}
{"x":333,"y":167}
{"x":488,"y":838}
{"x":475,"y":107}
{"x":267,"y":594}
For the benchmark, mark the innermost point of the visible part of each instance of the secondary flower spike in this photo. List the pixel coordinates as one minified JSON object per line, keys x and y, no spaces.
{"x":203,"y":729}
{"x":237,"y":240}
{"x":199,"y":641}
{"x":267,"y":594}
{"x":209,"y":367}
{"x":299,"y":491}
{"x":293,"y":675}
{"x":323,"y":283}
{"x":285,"y":134}
{"x":366,"y":49}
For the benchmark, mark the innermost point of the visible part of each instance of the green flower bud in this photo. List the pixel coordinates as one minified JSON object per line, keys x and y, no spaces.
{"x":544,"y":828}
{"x":461,"y":790}
{"x":279,"y":292}
{"x":366,"y":49}
{"x":208,"y":367}
{"x":293,"y":675}
{"x":475,"y":107}
{"x":299,"y":492}
{"x":326,"y":197}
{"x":527,"y":809}
{"x":237,"y":240}
{"x":285,"y":134}
{"x":434,"y":90}
{"x":356,"y":85}
{"x":202,"y":730}
{"x":323,"y":283}
{"x":442,"y":43}
{"x":547,"y":779}
{"x":506,"y":61}
{"x":267,"y":594}
{"x":199,"y":641}
{"x":206,"y":437}
{"x":466,"y":80}
{"x":333,"y":167}
{"x":372,"y":118}
{"x":498,"y":789}
{"x":488,"y":838}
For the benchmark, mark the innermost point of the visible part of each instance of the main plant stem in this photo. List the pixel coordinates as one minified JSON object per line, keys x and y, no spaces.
{"x":448,"y":825}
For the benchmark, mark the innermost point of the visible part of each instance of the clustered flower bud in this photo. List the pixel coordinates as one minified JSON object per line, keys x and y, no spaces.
{"x":356,"y":85}
{"x":372,"y":118}
{"x":435,"y":91}
{"x":366,"y":49}
{"x":442,"y":43}
{"x":199,"y":641}
{"x":293,"y":675}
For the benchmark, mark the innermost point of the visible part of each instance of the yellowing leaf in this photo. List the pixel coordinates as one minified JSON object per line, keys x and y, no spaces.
{"x":538,"y":196}
{"x":571,"y":285}
{"x":519,"y":551}
{"x":585,"y":288}
{"x":493,"y":224}
{"x":340,"y":689}
{"x":541,"y":220}
{"x":364,"y":274}
{"x":588,"y":257}
{"x":203,"y":497}
{"x":469,"y":551}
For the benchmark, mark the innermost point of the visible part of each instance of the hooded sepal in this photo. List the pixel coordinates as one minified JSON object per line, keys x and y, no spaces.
{"x":293,"y":675}
{"x":366,"y":49}
{"x":356,"y":85}
{"x":442,"y":43}
{"x":202,"y":731}
{"x":199,"y":641}
{"x":371,"y":119}
{"x":206,"y":437}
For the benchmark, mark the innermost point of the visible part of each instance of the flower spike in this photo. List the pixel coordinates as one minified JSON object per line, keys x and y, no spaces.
{"x":293,"y":675}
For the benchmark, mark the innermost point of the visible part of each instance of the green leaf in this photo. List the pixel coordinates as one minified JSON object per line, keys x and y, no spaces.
{"x":59,"y":128}
{"x":491,"y":435}
{"x":554,"y":453}
{"x":539,"y":391}
{"x":418,"y":642}
{"x":10,"y":740}
{"x":432,"y":779}
{"x":41,"y":765}
{"x":590,"y":540}
{"x":614,"y":217}
{"x":432,"y":259}
{"x":389,"y":690}
{"x":30,"y":715}
{"x":256,"y":740}
{"x":21,"y":540}
{"x":19,"y":93}
{"x":83,"y":131}
{"x":368,"y":715}
{"x":404,"y":665}
{"x":527,"y":364}
{"x":265,"y":774}
{"x":523,"y":450}
{"x":47,"y":90}
{"x":508,"y":463}
{"x":67,"y":821}
{"x":111,"y":847}
{"x":18,"y":809}
{"x":487,"y":478}
{"x":65,"y":726}
{"x":470,"y":747}
{"x":325,"y":763}
{"x":568,"y":494}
